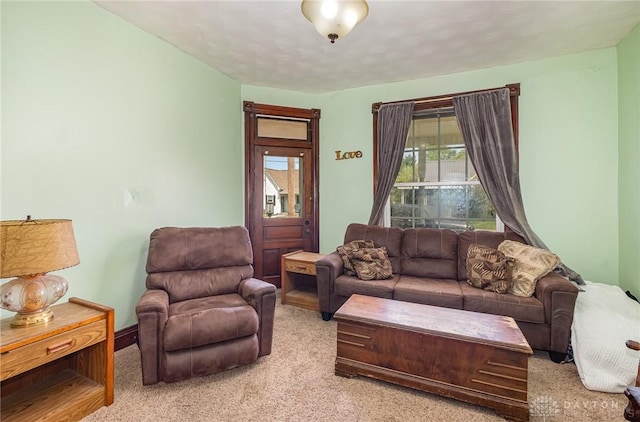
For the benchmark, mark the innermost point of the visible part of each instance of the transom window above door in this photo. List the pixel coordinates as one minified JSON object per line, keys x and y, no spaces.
{"x":282,"y":129}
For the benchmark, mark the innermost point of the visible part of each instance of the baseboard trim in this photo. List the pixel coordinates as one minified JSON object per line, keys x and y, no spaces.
{"x":126,"y":337}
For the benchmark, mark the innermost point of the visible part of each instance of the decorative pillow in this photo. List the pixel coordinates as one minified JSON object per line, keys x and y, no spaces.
{"x":489,"y":269}
{"x":345,"y":253}
{"x":372,"y":263}
{"x":531,"y":265}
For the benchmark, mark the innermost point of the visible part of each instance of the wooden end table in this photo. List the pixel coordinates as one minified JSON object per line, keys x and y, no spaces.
{"x":61,"y":370}
{"x":298,"y":279}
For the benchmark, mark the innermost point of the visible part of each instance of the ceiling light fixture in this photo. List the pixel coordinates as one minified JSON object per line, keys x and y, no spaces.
{"x":335,"y":18}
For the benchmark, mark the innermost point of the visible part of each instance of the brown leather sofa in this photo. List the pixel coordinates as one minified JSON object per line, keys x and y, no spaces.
{"x":429,"y":267}
{"x":202,"y":312}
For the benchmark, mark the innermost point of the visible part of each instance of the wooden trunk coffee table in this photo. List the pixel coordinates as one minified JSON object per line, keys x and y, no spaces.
{"x":473,"y":357}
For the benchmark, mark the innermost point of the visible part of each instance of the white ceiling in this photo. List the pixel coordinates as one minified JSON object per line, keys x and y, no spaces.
{"x":270,"y":43}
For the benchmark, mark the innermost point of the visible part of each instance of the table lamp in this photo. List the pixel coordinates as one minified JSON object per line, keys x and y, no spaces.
{"x":29,"y":250}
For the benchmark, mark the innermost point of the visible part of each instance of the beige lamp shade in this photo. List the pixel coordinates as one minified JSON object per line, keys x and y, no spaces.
{"x":29,"y":247}
{"x":334,"y":18}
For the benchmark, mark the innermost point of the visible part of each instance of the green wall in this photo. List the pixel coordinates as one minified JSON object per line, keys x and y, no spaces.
{"x":568,"y":151}
{"x":121,"y":132}
{"x":106,"y":125}
{"x":629,"y":169}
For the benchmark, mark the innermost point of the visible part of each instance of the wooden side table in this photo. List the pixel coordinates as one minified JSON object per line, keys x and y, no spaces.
{"x":61,"y":370}
{"x":298,"y":279}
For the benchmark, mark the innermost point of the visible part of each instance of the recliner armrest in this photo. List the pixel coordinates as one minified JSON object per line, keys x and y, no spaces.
{"x":152,"y":311}
{"x":252,"y":289}
{"x":262,"y":296}
{"x":153,"y":300}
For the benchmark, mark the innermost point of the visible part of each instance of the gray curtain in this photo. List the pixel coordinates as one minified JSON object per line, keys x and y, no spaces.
{"x":485,"y":121}
{"x":393,"y":126}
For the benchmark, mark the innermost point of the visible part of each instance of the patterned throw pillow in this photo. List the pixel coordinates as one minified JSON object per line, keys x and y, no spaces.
{"x":489,"y":269}
{"x":531,"y":265}
{"x":346,"y":250}
{"x":372,"y":263}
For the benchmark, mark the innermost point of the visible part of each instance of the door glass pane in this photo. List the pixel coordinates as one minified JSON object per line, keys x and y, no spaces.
{"x":284,"y":129}
{"x":283,"y":184}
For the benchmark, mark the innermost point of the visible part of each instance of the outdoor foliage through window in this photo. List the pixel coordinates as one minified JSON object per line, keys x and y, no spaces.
{"x":437,"y":185}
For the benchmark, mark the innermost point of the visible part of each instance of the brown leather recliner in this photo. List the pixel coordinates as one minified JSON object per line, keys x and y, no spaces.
{"x":202,"y":312}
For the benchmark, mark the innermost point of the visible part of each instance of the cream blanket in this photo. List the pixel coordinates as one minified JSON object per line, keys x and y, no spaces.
{"x":604,"y":318}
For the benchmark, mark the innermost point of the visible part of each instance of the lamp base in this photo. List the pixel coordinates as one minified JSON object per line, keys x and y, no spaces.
{"x":31,"y":296}
{"x":36,"y":318}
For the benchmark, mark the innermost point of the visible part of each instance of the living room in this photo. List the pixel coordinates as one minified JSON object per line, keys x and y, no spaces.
{"x":123,"y":133}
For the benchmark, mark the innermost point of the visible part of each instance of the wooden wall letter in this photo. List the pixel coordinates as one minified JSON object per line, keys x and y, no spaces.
{"x":347,"y":155}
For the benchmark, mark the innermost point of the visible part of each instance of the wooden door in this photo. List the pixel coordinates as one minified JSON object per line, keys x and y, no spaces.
{"x":281,"y":177}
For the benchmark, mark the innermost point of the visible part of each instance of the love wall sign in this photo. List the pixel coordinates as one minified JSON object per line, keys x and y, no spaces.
{"x":348,"y":155}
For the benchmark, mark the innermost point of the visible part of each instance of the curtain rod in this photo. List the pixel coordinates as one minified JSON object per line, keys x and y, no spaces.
{"x":514,"y":90}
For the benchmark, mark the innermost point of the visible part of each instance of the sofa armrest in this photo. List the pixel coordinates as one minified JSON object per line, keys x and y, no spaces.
{"x":558,"y":296}
{"x":328,"y":268}
{"x":262,"y":296}
{"x":152,"y":311}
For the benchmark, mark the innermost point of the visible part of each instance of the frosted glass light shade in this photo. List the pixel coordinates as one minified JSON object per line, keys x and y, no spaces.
{"x":334,"y":18}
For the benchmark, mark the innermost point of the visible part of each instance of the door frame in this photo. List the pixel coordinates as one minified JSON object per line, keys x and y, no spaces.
{"x":251,"y":113}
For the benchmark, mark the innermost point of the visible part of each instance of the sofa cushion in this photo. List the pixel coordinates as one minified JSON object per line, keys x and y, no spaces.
{"x":531,"y":265}
{"x":372,"y":263}
{"x":429,"y":291}
{"x":213,"y":319}
{"x":489,"y":269}
{"x":528,"y":309}
{"x":346,"y":285}
{"x":389,"y":237}
{"x":345,"y":251}
{"x":481,"y":237}
{"x":429,"y":253}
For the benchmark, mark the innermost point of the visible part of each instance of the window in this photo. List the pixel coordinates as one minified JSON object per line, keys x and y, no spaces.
{"x":437,"y":185}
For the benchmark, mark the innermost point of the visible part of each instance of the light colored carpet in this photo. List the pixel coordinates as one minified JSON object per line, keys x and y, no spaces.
{"x":297,"y":383}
